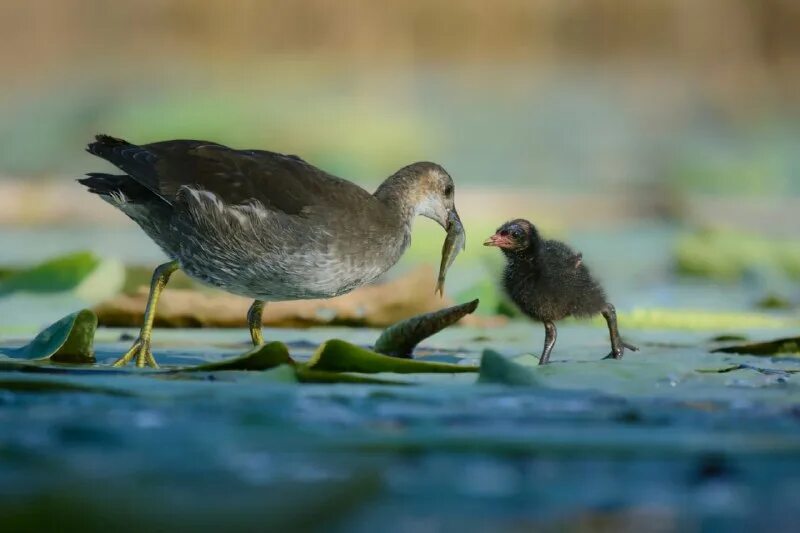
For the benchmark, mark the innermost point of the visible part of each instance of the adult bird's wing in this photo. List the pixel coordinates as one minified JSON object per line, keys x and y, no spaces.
{"x":279,"y":182}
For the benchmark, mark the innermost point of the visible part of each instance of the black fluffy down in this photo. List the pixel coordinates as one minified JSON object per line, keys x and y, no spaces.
{"x":548,"y":281}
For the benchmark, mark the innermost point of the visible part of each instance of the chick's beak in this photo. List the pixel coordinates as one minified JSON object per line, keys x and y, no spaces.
{"x":499,"y":241}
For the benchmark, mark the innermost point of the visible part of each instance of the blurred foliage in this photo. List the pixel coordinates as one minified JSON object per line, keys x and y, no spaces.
{"x":55,"y":275}
{"x":774,"y":301}
{"x":787,"y":346}
{"x":729,"y":256}
{"x":587,"y":95}
{"x":329,"y":130}
{"x":45,"y":133}
{"x":88,"y":276}
{"x":699,"y":320}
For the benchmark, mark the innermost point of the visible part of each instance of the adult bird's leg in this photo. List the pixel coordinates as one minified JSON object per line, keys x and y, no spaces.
{"x":617,"y":344}
{"x":141,"y":347}
{"x":550,"y":335}
{"x":254,"y":315}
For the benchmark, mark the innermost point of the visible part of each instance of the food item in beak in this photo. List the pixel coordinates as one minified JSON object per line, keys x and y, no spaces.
{"x":455,"y":242}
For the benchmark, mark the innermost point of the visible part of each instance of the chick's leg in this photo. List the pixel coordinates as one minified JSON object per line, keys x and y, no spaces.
{"x":617,"y":344}
{"x":550,"y":335}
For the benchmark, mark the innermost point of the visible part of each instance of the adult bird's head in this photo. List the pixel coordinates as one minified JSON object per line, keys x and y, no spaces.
{"x":422,"y":189}
{"x":514,"y":236}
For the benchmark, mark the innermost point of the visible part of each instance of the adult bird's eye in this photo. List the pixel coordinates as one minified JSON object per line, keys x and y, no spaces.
{"x":448,"y":190}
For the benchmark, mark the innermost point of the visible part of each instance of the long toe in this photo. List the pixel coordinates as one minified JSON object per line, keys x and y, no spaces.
{"x":129,"y":355}
{"x":630,"y":347}
{"x":614,"y":355}
{"x":145,"y":358}
{"x":139,"y":351}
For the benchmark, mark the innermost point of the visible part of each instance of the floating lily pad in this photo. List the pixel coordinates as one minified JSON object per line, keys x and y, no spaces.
{"x":262,"y":357}
{"x":400,"y":339}
{"x":496,"y":368}
{"x":766,"y":371}
{"x":307,"y":375}
{"x":789,"y":345}
{"x":729,"y":337}
{"x":340,"y":356}
{"x":53,"y":386}
{"x":70,"y":340}
{"x":284,"y":373}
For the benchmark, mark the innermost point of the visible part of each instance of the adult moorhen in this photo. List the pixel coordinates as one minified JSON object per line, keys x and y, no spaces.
{"x":261,"y":224}
{"x":548,"y":281}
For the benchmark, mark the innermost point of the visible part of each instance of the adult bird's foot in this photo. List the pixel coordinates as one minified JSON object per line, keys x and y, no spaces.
{"x":617,"y":354}
{"x":141,"y":352}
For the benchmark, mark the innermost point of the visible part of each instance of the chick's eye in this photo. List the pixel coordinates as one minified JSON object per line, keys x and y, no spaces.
{"x":516,"y":234}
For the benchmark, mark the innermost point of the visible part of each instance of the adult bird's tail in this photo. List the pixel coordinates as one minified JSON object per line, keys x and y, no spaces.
{"x":138,"y":162}
{"x":104,"y":184}
{"x":105,"y":145}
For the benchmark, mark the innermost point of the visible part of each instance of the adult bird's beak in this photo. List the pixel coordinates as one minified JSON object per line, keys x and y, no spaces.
{"x":453,"y":219}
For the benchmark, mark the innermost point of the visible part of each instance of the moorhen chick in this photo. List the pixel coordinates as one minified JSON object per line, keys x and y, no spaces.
{"x":548,"y":281}
{"x":261,"y":224}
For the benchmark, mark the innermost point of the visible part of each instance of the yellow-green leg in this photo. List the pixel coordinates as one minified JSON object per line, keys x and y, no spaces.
{"x":254,"y":321}
{"x":141,"y":347}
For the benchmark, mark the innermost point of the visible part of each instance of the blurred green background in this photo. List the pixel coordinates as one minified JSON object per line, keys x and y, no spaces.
{"x":588,"y":96}
{"x":659,"y":137}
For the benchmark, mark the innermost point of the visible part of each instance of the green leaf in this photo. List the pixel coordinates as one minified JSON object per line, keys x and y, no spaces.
{"x":69,"y":340}
{"x":63,"y":273}
{"x":284,"y":373}
{"x":340,"y":356}
{"x":498,"y":369}
{"x":400,"y":339}
{"x":262,"y":357}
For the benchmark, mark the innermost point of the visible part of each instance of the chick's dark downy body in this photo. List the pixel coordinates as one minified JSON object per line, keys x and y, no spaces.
{"x":552,"y":283}
{"x":548,"y":281}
